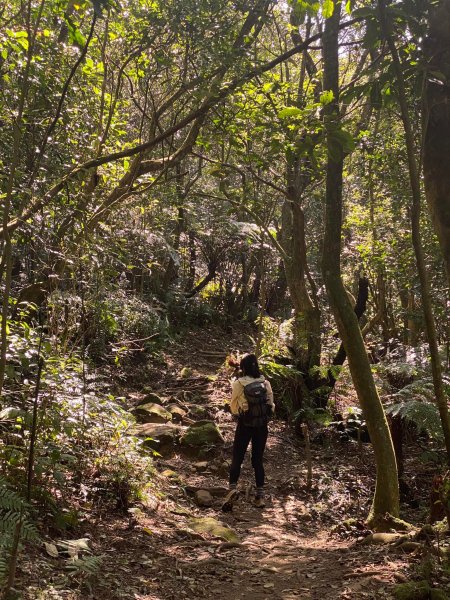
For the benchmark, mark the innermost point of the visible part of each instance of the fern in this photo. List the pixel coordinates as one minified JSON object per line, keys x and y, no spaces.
{"x":422,"y":413}
{"x":14,"y":513}
{"x":9,"y":500}
{"x":86,"y":565}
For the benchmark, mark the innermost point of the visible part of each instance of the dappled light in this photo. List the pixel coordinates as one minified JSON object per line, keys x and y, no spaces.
{"x":225,"y":302}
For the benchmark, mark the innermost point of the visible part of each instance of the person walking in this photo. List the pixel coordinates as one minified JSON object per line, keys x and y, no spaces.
{"x":252,"y":401}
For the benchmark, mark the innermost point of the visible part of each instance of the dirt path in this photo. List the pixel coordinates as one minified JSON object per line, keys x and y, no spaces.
{"x":285,"y":551}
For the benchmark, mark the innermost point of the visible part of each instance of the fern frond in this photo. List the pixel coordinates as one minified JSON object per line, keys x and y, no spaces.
{"x":423,"y":414}
{"x":86,"y":565}
{"x":14,"y":512}
{"x":9,"y":499}
{"x":4,"y":565}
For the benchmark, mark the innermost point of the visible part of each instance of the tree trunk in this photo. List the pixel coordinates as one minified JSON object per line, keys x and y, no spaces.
{"x":360,"y":309}
{"x":430,"y":326}
{"x":386,"y":498}
{"x":212,"y":271}
{"x":437,"y":125}
{"x":306,"y":322}
{"x":192,"y":261}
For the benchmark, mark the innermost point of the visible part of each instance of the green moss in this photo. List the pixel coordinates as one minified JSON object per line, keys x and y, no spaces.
{"x":151,"y":397}
{"x":215,"y":528}
{"x":439,"y":595}
{"x":201,"y":434}
{"x":413,"y":590}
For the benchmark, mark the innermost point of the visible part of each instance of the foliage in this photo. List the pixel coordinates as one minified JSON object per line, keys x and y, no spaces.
{"x":271,"y":342}
{"x":15,"y":520}
{"x":287,"y":384}
{"x":148,"y":147}
{"x":415,"y":404}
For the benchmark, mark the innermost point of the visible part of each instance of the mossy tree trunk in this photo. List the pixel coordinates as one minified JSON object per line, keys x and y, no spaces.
{"x":306,"y":320}
{"x":386,"y":497}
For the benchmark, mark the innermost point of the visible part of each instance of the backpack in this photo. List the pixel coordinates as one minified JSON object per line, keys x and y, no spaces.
{"x":258,"y":410}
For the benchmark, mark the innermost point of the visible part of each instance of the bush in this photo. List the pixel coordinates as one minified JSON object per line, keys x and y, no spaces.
{"x":288,"y":386}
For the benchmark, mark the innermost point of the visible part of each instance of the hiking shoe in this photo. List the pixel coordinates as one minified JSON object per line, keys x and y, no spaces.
{"x":230,"y":498}
{"x":259,"y":502}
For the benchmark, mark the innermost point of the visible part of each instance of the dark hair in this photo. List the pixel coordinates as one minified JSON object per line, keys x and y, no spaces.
{"x":249,"y":366}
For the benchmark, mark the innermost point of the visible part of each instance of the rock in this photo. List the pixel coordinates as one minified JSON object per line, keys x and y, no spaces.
{"x":214,"y":528}
{"x":201,"y":466}
{"x":382,"y":538}
{"x":162,"y":438}
{"x":171,"y":474}
{"x":409,"y":546}
{"x":201,"y":435}
{"x":203,"y":498}
{"x":198,"y":411}
{"x":224,"y":468}
{"x":151,"y":397}
{"x":414,"y":590}
{"x":177,"y":412}
{"x":214,"y":491}
{"x":152,"y":413}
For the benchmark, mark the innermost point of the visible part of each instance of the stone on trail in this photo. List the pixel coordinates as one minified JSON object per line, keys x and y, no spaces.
{"x":10,"y":413}
{"x":177,"y":412}
{"x":160,"y":437}
{"x":382,"y":538}
{"x":152,"y":397}
{"x":200,"y":435}
{"x":152,"y":413}
{"x":171,"y":475}
{"x":224,"y":468}
{"x":198,"y":411}
{"x":201,"y":466}
{"x":214,"y":528}
{"x":203,"y":498}
{"x":414,"y":590}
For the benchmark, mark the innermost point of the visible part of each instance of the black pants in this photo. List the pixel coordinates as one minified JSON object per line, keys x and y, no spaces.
{"x":242,"y":437}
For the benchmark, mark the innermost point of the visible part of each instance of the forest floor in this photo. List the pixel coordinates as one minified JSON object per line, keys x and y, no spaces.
{"x":296,"y":547}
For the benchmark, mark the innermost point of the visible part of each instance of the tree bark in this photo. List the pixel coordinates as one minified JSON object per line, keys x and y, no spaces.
{"x":386,"y":497}
{"x":437,"y":125}
{"x":430,"y":326}
{"x":360,"y":309}
{"x":212,"y":270}
{"x":306,"y":320}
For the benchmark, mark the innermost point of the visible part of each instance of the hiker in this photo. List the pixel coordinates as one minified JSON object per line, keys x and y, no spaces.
{"x":252,"y":401}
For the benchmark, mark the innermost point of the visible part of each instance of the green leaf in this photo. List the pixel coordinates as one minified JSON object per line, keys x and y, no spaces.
{"x":75,"y":35}
{"x":326,"y":97}
{"x":346,"y":140}
{"x":290,"y":111}
{"x":328,"y":8}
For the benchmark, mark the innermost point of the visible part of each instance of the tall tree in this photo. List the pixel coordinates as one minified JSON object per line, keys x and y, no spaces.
{"x":436,"y":160}
{"x":386,"y":497}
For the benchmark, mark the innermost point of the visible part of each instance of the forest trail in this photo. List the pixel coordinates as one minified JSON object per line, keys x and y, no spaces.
{"x":283,"y":552}
{"x":286,"y":550}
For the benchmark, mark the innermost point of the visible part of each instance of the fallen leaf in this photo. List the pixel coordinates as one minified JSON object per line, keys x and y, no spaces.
{"x":51,"y":550}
